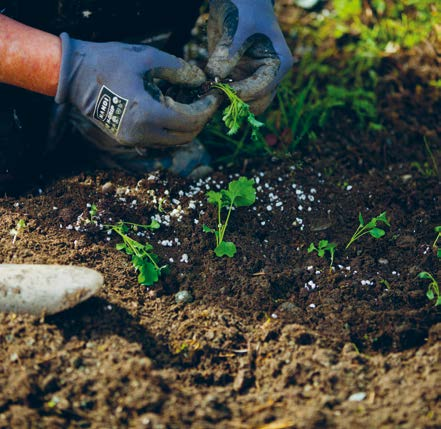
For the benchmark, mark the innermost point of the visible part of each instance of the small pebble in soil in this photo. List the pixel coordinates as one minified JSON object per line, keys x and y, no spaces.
{"x":357,"y":397}
{"x":383,"y":261}
{"x":108,"y":188}
{"x":183,"y":297}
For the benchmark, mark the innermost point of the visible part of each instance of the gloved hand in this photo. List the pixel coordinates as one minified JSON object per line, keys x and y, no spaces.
{"x":112,"y":84}
{"x":246,"y":43}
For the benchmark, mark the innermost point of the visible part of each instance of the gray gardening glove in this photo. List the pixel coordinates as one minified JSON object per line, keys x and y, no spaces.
{"x":245,"y":43}
{"x":112,"y":85}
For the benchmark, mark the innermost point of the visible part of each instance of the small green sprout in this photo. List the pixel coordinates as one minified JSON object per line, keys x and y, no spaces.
{"x":433,"y":288}
{"x":385,"y":283}
{"x":93,"y":215}
{"x":369,"y":228}
{"x":323,"y":247}
{"x":435,"y":243}
{"x":19,"y":228}
{"x":240,"y":193}
{"x":237,"y":112}
{"x":143,"y":259}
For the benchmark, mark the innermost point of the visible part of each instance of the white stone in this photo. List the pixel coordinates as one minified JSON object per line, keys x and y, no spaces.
{"x":45,"y":289}
{"x":357,"y":397}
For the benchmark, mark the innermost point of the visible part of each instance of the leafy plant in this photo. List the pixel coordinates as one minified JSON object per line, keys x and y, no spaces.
{"x":435,"y":243}
{"x":323,"y":247}
{"x":19,"y":228}
{"x":369,"y":228}
{"x":240,"y":193}
{"x":292,"y":117}
{"x":433,"y":288}
{"x":428,"y":168}
{"x":142,"y":257}
{"x":237,"y":112}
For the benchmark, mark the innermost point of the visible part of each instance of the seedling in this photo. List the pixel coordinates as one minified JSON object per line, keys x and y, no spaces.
{"x":144,"y":260}
{"x":323,"y":247}
{"x":435,"y":243}
{"x":369,"y":228}
{"x":433,"y":288}
{"x":237,"y":112}
{"x":19,"y":228}
{"x":93,"y":213}
{"x":240,"y":193}
{"x":385,"y":283}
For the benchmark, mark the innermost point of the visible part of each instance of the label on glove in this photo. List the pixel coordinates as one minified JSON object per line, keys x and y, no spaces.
{"x":110,"y":109}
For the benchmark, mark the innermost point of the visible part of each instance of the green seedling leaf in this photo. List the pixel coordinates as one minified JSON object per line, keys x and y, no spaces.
{"x":207,"y":229}
{"x":240,"y":193}
{"x":377,"y":232}
{"x":438,"y":228}
{"x":120,"y":246}
{"x":142,"y":257}
{"x":424,"y":275}
{"x":433,"y":287}
{"x":323,"y":247}
{"x":369,"y":228}
{"x":154,"y":225}
{"x":438,"y":253}
{"x":226,"y":248}
{"x":383,"y":218}
{"x":237,"y":113}
{"x":214,"y":197}
{"x":20,"y":226}
{"x":148,"y":274}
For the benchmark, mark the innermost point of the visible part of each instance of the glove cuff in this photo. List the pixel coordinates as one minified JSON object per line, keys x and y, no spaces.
{"x":66,"y":66}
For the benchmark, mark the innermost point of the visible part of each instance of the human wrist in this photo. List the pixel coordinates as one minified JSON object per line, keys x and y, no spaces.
{"x":30,"y":57}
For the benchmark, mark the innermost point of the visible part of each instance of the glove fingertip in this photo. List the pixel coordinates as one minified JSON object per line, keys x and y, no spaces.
{"x":220,"y":64}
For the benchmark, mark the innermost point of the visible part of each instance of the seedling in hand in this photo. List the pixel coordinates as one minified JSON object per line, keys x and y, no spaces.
{"x":435,"y":243}
{"x":369,"y":228}
{"x":240,"y":193}
{"x":323,"y":247}
{"x":19,"y":228}
{"x":433,"y":288}
{"x":237,"y":112}
{"x":143,"y":258}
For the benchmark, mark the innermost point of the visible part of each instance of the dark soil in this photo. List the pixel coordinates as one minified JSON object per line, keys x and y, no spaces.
{"x":256,"y":348}
{"x":274,"y":339}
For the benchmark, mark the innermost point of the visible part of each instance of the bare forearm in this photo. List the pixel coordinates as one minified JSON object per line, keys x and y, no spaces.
{"x":29,"y":58}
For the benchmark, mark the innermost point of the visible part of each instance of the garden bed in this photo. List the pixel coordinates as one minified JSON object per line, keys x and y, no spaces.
{"x":272,"y":335}
{"x":274,"y":338}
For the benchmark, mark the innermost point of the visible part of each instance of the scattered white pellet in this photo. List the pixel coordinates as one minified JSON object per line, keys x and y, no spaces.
{"x":357,"y":397}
